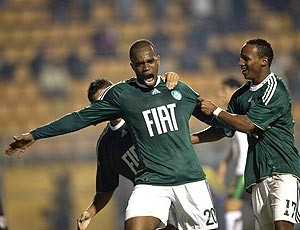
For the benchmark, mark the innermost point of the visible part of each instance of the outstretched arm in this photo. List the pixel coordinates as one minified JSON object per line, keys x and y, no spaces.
{"x":66,"y":124}
{"x":21,"y":142}
{"x":101,"y":199}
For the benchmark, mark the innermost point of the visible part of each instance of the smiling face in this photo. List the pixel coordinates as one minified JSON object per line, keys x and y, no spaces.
{"x":145,"y":64}
{"x":253,"y":67}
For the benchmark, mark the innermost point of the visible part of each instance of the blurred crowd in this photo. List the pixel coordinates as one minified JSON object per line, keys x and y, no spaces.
{"x":55,"y":42}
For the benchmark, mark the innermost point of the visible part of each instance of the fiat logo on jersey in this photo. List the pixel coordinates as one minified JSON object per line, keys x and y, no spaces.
{"x":176,"y":94}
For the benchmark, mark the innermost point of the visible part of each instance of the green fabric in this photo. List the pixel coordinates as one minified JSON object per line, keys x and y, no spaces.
{"x":269,"y":108}
{"x":66,"y":124}
{"x":239,"y":188}
{"x":158,"y":120}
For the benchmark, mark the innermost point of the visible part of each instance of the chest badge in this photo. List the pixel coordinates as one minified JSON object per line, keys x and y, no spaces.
{"x":176,"y":95}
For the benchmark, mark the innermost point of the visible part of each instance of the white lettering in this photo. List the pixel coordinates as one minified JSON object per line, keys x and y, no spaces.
{"x":156,"y":120}
{"x":131,"y":159}
{"x":172,"y":110}
{"x":163,"y":119}
{"x":149,"y":122}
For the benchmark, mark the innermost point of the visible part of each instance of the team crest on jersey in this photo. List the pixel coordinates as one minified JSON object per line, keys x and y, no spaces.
{"x":176,"y":94}
{"x":155,"y":91}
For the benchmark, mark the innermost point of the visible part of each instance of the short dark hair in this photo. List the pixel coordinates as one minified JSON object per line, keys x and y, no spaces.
{"x":138,"y":44}
{"x":264,"y":48}
{"x":232,"y":82}
{"x":95,"y":85}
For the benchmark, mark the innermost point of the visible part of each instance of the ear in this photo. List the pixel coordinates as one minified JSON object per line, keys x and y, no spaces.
{"x":158,"y":59}
{"x":264,"y":61}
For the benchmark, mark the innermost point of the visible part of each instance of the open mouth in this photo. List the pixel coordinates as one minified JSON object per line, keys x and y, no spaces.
{"x":149,"y":80}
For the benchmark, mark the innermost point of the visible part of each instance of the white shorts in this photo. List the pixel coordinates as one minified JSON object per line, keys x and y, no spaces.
{"x":172,"y":216}
{"x":192,"y":202}
{"x":276,"y":198}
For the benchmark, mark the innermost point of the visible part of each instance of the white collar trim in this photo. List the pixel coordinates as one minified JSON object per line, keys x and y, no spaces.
{"x":114,"y":128}
{"x":257,"y":87}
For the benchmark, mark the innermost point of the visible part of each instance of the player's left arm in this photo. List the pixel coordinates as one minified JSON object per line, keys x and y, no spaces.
{"x":101,"y":199}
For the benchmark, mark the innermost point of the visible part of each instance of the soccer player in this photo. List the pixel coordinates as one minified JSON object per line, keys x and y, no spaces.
{"x":116,"y":155}
{"x":158,"y":121}
{"x":262,"y":109}
{"x":237,"y":157}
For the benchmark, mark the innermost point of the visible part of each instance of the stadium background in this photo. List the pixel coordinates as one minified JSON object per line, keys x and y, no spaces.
{"x":52,"y":49}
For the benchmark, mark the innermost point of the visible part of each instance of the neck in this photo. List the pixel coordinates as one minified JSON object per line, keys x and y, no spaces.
{"x":261,"y":77}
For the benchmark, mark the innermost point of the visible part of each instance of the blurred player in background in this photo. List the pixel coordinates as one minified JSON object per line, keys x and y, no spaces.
{"x":236,"y":157}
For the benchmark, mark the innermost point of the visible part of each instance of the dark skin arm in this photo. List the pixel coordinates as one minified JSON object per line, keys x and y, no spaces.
{"x":238,"y":122}
{"x":207,"y":135}
{"x":21,"y":142}
{"x":99,"y":202}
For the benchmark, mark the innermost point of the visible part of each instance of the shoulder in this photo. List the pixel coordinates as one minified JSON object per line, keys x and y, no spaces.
{"x":281,"y":85}
{"x":115,"y":89}
{"x":275,"y":88}
{"x":110,"y":134}
{"x":183,"y":86}
{"x":242,"y":89}
{"x":274,"y":82}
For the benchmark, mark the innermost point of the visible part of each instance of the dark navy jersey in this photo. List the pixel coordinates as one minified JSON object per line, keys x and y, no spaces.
{"x":116,"y":156}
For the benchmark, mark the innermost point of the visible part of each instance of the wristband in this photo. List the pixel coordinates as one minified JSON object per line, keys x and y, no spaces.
{"x":217,"y":111}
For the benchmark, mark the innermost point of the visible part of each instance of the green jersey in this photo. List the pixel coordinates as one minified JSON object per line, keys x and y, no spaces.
{"x":158,"y":121}
{"x":268,"y":106}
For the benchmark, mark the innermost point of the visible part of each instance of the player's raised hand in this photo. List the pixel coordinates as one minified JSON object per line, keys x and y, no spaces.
{"x":21,"y":143}
{"x":171,"y":79}
{"x":83,"y":220}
